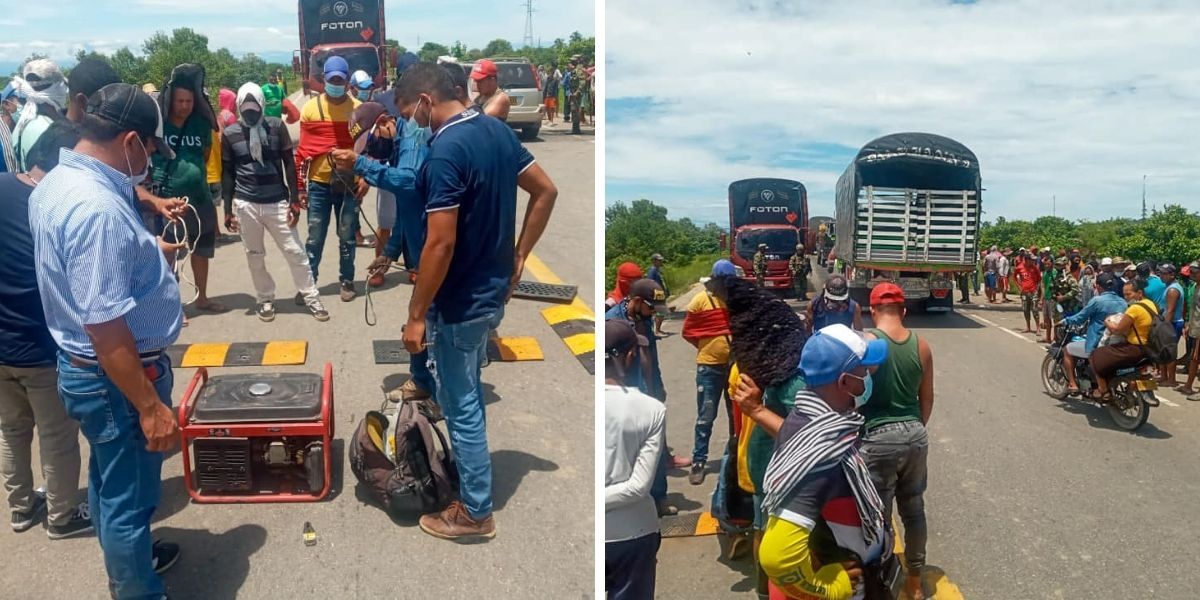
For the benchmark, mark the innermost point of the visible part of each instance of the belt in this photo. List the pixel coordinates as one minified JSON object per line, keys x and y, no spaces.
{"x":894,"y":425}
{"x":149,"y":362}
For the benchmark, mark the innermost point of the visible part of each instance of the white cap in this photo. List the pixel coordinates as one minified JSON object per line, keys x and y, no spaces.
{"x":1106,"y":262}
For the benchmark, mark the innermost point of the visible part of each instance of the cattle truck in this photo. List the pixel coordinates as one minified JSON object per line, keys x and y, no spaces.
{"x":908,"y":209}
{"x":351,"y":29}
{"x":772,"y":212}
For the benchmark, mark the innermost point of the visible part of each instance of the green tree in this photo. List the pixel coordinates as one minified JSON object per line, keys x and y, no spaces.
{"x":498,"y":47}
{"x":431,"y":51}
{"x":458,"y":50}
{"x":129,"y":66}
{"x":164,"y":53}
{"x":632,"y":232}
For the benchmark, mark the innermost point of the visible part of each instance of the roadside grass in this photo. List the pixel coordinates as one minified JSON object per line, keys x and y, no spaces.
{"x":680,"y":278}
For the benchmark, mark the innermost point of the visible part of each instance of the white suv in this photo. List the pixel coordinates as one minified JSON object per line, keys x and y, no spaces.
{"x":519,"y":79}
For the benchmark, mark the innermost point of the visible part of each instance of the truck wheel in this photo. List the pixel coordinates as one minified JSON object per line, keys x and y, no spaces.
{"x":530,"y":133}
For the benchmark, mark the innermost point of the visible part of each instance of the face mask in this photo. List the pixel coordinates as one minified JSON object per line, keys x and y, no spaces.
{"x":868,"y":387}
{"x":136,"y":179}
{"x":364,"y":95}
{"x":251,"y":117}
{"x":413,"y":129}
{"x":335,"y":91}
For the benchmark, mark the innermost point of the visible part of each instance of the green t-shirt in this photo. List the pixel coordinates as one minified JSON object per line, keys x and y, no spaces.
{"x":190,"y":142}
{"x":779,"y":399}
{"x":180,"y":178}
{"x":1048,"y":283}
{"x":273,"y":96}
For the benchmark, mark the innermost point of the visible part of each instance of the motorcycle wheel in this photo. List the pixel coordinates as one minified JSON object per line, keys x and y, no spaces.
{"x":1054,"y":380}
{"x":1128,"y":410}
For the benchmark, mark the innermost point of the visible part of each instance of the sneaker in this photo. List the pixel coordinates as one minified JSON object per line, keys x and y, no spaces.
{"x":266,"y":312}
{"x":318,"y":311}
{"x":408,"y":392}
{"x":664,"y":509}
{"x":455,"y":524}
{"x":165,"y":555}
{"x":80,"y":523}
{"x":348,"y":292}
{"x":696,"y":477}
{"x":299,"y":299}
{"x":22,"y":520}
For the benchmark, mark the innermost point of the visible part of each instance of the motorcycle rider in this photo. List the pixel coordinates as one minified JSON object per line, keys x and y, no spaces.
{"x":1134,"y":324}
{"x":1107,"y":301}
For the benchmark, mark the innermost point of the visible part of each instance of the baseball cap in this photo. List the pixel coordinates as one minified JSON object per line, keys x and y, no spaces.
{"x":362,"y":120}
{"x":1106,"y":281}
{"x":1167,"y":268}
{"x":650,"y":291}
{"x":620,"y":337}
{"x":1129,"y":268}
{"x":724,"y":268}
{"x":336,"y":66}
{"x":361,"y":80}
{"x":837,"y":289}
{"x":483,"y":69}
{"x":837,"y":349}
{"x":8,"y":91}
{"x":1106,"y":262}
{"x":42,"y":73}
{"x":1060,"y":261}
{"x":132,"y":110}
{"x":91,"y":74}
{"x":656,"y":256}
{"x":886,"y":293}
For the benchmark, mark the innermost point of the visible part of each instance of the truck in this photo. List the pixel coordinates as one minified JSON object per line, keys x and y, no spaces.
{"x":351,"y":29}
{"x":908,"y":210}
{"x":772,"y":212}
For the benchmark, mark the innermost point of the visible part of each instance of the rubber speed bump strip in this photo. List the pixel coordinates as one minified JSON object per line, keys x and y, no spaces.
{"x":552,"y":292}
{"x":577,"y":328}
{"x":240,"y":354}
{"x":689,"y":525}
{"x":502,"y":349}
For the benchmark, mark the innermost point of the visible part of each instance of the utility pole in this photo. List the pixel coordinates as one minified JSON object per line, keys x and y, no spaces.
{"x":1053,"y":205}
{"x":528,"y":23}
{"x":1144,"y":196}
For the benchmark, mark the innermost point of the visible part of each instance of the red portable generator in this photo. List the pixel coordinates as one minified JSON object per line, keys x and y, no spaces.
{"x":263,"y":437}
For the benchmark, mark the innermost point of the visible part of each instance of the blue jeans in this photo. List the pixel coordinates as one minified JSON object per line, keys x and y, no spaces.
{"x":124,"y":479}
{"x":344,"y":207}
{"x":712,"y":384}
{"x":457,"y":350}
{"x":630,"y":566}
{"x":419,"y":367}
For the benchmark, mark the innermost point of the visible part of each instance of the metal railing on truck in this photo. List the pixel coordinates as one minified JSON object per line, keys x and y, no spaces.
{"x":897,"y":225}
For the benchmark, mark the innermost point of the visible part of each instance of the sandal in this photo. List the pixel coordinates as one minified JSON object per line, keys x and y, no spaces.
{"x":1072,"y":391}
{"x":213,"y":307}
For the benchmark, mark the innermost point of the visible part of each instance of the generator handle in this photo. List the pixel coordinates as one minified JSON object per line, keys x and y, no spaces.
{"x":327,"y":397}
{"x":188,"y":403}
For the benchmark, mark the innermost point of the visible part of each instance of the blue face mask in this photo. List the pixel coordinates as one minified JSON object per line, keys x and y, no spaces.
{"x":868,"y":387}
{"x":335,"y":91}
{"x":364,"y":95}
{"x":414,"y":130}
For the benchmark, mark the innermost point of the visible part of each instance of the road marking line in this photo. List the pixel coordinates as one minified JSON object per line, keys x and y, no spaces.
{"x":1165,"y":401}
{"x":935,"y":580}
{"x":574,"y":323}
{"x":1004,"y":329}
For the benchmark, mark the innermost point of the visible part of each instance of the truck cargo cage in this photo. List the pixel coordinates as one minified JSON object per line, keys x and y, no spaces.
{"x":896,"y":225}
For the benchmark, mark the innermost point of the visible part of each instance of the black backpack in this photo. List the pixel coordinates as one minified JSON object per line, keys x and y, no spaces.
{"x":406,"y":463}
{"x":1161,"y":345}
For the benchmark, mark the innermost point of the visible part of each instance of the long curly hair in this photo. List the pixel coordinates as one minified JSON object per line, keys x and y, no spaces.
{"x":768,"y":336}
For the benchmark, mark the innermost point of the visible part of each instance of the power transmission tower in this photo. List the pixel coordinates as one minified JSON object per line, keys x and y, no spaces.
{"x":528,"y":23}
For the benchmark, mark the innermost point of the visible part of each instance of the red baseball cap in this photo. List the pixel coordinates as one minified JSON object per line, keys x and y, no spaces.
{"x":483,"y":69}
{"x":886,"y":293}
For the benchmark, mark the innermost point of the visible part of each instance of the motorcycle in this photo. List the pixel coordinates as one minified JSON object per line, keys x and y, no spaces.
{"x":1132,"y":388}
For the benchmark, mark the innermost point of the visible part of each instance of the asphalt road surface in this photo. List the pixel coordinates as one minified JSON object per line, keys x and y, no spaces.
{"x":540,"y":431}
{"x":1029,"y":497}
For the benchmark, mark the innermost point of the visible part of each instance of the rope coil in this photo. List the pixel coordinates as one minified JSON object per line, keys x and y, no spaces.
{"x":188,"y":247}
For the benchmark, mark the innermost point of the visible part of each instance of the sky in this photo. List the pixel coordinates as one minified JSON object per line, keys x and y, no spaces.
{"x":268,"y":27}
{"x":1066,"y":104}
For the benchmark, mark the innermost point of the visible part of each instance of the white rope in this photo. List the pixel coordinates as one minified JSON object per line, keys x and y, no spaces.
{"x":188,"y":247}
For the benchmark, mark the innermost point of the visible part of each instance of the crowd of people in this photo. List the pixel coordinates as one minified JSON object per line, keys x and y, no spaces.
{"x":826,"y":427}
{"x":1059,"y":287}
{"x":108,"y":186}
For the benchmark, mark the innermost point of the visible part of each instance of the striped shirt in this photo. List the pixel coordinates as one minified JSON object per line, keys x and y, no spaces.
{"x":253,"y":181}
{"x":96,"y":261}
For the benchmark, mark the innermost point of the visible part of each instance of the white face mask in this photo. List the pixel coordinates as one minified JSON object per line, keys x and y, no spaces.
{"x":136,"y":179}
{"x":414,"y":129}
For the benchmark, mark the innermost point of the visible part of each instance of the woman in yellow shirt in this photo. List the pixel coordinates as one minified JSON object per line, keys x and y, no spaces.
{"x":1134,"y":324}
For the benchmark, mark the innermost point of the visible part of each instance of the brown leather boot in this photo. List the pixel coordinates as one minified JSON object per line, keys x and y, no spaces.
{"x":455,"y":524}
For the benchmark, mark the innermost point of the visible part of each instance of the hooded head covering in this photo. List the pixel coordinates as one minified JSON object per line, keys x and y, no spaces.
{"x":190,"y":77}
{"x":258,"y":135}
{"x":627,"y":273}
{"x":226,"y":99}
{"x":41,"y":83}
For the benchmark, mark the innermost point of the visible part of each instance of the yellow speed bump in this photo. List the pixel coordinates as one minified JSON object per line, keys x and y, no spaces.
{"x":291,"y":352}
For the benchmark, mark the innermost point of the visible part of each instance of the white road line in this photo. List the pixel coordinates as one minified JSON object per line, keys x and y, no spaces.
{"x":1165,"y":401}
{"x":1004,"y":329}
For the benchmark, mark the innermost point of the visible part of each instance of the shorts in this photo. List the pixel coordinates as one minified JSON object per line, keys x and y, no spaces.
{"x":551,"y":103}
{"x":1077,"y":349}
{"x":202,"y":234}
{"x":1028,"y":304}
{"x":989,"y":281}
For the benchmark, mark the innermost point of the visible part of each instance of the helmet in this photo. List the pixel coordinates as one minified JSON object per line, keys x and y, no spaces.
{"x":361,"y":80}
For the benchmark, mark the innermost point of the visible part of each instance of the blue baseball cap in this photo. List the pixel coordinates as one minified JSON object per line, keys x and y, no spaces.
{"x":336,"y":66}
{"x":724,"y":268}
{"x":837,"y":349}
{"x":9,"y":91}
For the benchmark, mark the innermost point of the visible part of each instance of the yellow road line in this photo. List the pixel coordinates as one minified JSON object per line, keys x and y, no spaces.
{"x":534,"y":266}
{"x":935,"y":580}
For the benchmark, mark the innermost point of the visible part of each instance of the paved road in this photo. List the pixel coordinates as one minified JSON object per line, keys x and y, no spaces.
{"x":543,"y":470}
{"x":1029,"y":497}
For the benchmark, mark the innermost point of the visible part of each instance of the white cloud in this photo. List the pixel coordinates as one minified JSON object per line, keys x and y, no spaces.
{"x":1071,"y":98}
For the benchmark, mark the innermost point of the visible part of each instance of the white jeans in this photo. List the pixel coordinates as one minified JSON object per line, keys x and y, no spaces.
{"x":255,"y":219}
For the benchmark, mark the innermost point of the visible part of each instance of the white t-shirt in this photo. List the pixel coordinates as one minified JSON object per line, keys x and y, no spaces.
{"x":1003,"y":266}
{"x":634,"y":426}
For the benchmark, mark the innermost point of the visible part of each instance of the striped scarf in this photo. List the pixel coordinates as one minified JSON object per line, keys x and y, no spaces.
{"x":828,"y":440}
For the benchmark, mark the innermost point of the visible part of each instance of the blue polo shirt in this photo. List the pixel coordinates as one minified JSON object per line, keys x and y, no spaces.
{"x":473,"y":164}
{"x":96,"y":261}
{"x":634,"y":378}
{"x":24,"y":339}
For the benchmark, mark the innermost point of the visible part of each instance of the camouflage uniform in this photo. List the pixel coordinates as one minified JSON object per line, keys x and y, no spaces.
{"x":798,"y":267}
{"x":579,"y":88}
{"x":1067,"y":286}
{"x":760,"y":266}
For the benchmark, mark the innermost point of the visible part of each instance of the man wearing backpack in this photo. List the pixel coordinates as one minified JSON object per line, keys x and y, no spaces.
{"x":1136,"y":325}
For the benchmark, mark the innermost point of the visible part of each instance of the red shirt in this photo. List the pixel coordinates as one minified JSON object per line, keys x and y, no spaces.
{"x":1028,"y":278}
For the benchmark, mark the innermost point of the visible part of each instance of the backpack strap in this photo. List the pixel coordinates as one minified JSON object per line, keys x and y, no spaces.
{"x":1152,"y":314}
